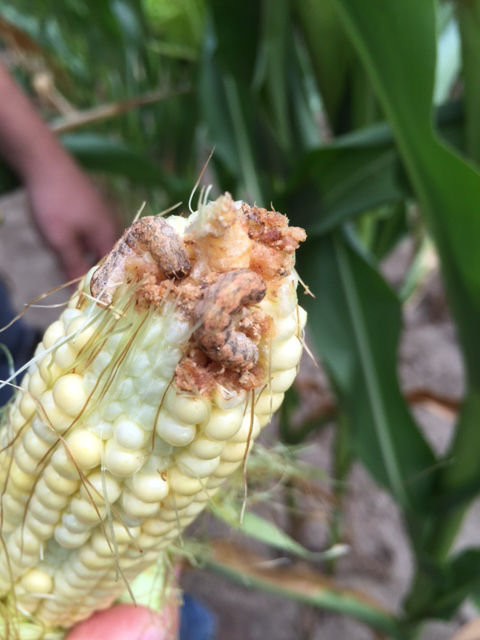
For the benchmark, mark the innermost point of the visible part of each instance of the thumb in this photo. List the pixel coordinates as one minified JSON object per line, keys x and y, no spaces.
{"x":128,"y":622}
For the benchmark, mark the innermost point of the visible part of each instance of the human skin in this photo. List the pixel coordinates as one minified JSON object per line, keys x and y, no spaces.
{"x":68,"y":210}
{"x":127,"y":622}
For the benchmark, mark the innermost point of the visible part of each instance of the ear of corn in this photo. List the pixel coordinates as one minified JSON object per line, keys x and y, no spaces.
{"x":141,"y":399}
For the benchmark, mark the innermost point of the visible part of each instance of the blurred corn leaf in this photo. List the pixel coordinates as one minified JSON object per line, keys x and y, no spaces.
{"x":438,"y":175}
{"x":268,"y":532}
{"x":355,"y":320}
{"x":104,"y":154}
{"x":301,"y":583}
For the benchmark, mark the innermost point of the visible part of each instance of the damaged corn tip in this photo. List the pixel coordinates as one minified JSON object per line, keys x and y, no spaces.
{"x":139,"y":402}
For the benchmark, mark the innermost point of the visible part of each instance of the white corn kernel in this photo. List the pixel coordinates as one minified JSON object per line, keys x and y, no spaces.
{"x":69,"y":540}
{"x":84,"y":335}
{"x":223,"y":425}
{"x":249,"y":430}
{"x":285,"y":327}
{"x":85,"y":448}
{"x":42,"y":513}
{"x":36,"y":447}
{"x":58,"y":483}
{"x":286,"y":355}
{"x":156,"y":527}
{"x":225,"y":469}
{"x":36,"y":384}
{"x":282,"y":380}
{"x":149,"y":487}
{"x":206,"y":448}
{"x":73,"y":524}
{"x":135,"y":508}
{"x":186,"y":408}
{"x":182,"y":483}
{"x":302,"y":317}
{"x":122,"y":462}
{"x":196,"y":467}
{"x":27,"y":405}
{"x":51,"y":499}
{"x":64,"y":356}
{"x":173,"y":431}
{"x":69,"y":394}
{"x":24,"y":460}
{"x":55,"y":418}
{"x":53,"y":334}
{"x":129,"y":434}
{"x":100,"y":489}
{"x":268,"y":402}
{"x":63,"y":464}
{"x":85,"y":512}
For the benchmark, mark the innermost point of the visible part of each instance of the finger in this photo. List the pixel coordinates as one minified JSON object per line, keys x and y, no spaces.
{"x":73,"y":258}
{"x":127,"y":622}
{"x":102,"y":238}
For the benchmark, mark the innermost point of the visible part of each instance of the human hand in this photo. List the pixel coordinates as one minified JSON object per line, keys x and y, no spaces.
{"x":70,"y":214}
{"x":127,"y":622}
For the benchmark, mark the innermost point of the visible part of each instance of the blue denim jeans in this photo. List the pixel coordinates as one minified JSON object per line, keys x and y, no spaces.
{"x":19,"y":339}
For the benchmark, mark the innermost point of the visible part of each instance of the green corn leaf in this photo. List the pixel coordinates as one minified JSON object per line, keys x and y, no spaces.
{"x":355,"y":321}
{"x":267,"y":532}
{"x":302,"y":584}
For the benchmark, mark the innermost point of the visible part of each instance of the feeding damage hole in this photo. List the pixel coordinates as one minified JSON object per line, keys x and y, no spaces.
{"x":215,"y":268}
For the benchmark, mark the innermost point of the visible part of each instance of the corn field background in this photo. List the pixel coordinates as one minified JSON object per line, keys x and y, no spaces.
{"x":360,"y":120}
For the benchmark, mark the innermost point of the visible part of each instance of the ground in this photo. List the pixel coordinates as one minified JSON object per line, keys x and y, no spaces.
{"x":379,"y":561}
